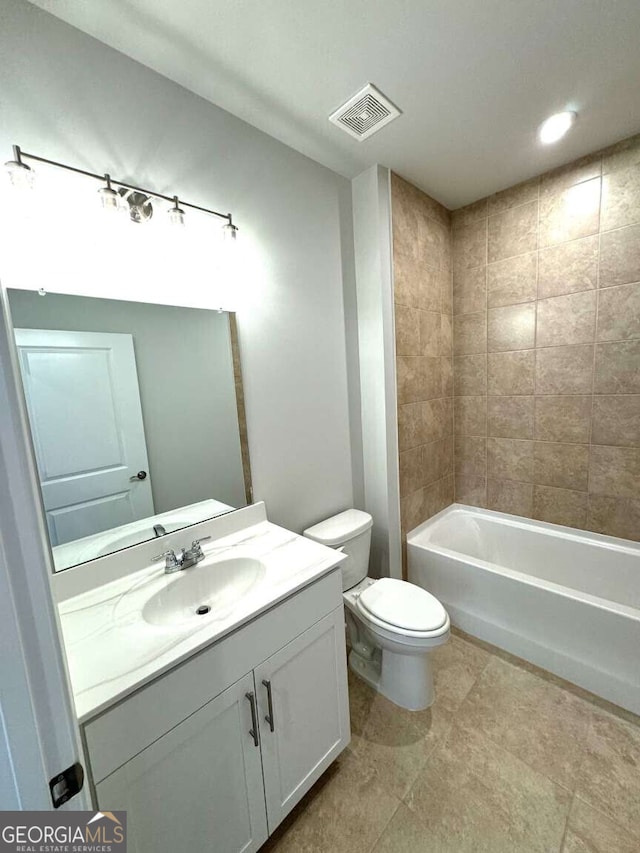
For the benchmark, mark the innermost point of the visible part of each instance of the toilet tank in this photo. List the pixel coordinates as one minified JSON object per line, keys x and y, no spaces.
{"x":349,"y":531}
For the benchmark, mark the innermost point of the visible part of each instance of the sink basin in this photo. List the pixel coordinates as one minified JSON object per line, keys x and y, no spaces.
{"x":207,"y":591}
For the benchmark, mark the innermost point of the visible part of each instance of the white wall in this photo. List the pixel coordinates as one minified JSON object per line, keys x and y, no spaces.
{"x":68,"y":97}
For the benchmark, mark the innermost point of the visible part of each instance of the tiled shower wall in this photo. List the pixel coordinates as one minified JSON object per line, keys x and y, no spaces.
{"x":423,"y":309}
{"x":546,"y":304}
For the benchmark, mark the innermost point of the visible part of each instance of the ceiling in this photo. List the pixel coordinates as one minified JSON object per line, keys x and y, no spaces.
{"x":473,"y":78}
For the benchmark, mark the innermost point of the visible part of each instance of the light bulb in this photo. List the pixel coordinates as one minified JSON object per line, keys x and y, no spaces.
{"x":176,"y":214}
{"x":230,"y":232}
{"x":20,"y":175}
{"x":555,"y":127}
{"x":109,"y":199}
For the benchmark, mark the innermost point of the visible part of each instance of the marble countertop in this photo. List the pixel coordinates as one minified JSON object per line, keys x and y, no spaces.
{"x":111,"y":649}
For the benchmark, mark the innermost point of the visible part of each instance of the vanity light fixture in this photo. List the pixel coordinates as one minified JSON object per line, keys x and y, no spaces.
{"x":176,"y":214}
{"x":139,"y":199}
{"x":555,"y":127}
{"x":20,"y":175}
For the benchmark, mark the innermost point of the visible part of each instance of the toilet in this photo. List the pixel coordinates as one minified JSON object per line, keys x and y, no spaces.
{"x":393,"y":625}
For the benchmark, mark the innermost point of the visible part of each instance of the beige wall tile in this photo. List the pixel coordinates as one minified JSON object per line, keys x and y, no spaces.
{"x":565,"y":466}
{"x":616,"y":420}
{"x":619,"y":313}
{"x":429,"y":378}
{"x":437,"y":460}
{"x":411,"y":510}
{"x":511,"y":328}
{"x":564,"y":370}
{"x":471,"y":490}
{"x":470,"y":333}
{"x":430,"y":281}
{"x":411,"y":430}
{"x":436,"y":418}
{"x":513,"y":196}
{"x":510,"y":417}
{"x":511,"y":373}
{"x":512,"y":281}
{"x":407,"y":321}
{"x":446,"y":335}
{"x":471,"y":455}
{"x":470,"y":415}
{"x":615,"y":516}
{"x":406,"y":276}
{"x":622,"y":155}
{"x":411,"y":472}
{"x":513,"y":232}
{"x":446,"y":376}
{"x":470,"y":374}
{"x":509,"y":496}
{"x":429,"y":333}
{"x":621,"y":198}
{"x":568,"y":267}
{"x":510,"y":459}
{"x":560,"y":506}
{"x":470,"y":245}
{"x":620,"y":256}
{"x":563,"y":418}
{"x":614,"y":471}
{"x":408,"y":378}
{"x":617,"y":368}
{"x":564,"y":320}
{"x":469,"y":290}
{"x":569,"y":213}
{"x":581,"y":170}
{"x":469,"y":213}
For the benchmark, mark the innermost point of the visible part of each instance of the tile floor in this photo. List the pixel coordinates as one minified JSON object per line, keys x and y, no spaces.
{"x":509,"y":758}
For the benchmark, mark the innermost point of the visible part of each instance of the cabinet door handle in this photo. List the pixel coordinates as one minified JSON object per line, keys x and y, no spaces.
{"x":254,"y":718}
{"x":269,"y":716}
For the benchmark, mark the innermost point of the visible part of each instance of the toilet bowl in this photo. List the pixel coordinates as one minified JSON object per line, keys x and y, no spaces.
{"x":393,"y":625}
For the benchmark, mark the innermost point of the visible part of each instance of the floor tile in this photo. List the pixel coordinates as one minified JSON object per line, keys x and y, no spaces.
{"x":405,"y":834}
{"x":346,"y":814}
{"x":475,"y":797}
{"x":609,"y":777}
{"x":456,"y":667}
{"x":537,"y":721}
{"x":589,"y":831}
{"x":396,"y":743}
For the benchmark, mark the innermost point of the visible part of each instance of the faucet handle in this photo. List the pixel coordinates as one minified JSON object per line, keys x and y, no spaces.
{"x":171,"y":560}
{"x":195,"y":546}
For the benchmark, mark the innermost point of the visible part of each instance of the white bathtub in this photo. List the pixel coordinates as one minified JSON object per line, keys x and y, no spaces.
{"x":564,"y":599}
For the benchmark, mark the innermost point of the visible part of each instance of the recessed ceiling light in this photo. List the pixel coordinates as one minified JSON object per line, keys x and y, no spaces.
{"x":555,"y":127}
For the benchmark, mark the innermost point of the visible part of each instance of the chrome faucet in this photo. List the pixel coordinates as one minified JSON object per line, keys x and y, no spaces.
{"x":159,"y":530}
{"x":184,"y":559}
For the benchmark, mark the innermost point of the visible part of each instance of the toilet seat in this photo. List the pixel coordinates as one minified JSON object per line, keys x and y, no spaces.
{"x":403,"y":608}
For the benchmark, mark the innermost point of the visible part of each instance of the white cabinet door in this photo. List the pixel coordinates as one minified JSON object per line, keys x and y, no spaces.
{"x":307,"y":725}
{"x":85,"y":414}
{"x":199,"y":787}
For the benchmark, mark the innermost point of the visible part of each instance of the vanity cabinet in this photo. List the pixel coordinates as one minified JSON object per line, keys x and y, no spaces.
{"x":199,"y":787}
{"x":219,"y":775}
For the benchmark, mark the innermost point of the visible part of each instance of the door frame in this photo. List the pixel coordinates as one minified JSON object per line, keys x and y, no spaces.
{"x":39,"y":732}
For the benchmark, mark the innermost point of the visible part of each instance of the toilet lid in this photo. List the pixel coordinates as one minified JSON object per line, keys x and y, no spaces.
{"x":403,"y":605}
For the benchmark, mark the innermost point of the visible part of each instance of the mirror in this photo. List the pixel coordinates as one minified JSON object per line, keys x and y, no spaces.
{"x":136,"y":415}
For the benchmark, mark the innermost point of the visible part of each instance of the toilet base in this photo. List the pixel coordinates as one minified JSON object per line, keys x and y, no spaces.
{"x":406,"y":680}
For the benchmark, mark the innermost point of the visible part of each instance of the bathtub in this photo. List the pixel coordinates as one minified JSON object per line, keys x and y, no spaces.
{"x":563,"y":599}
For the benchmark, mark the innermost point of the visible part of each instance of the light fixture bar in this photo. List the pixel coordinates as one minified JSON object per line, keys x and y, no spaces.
{"x":19,"y":155}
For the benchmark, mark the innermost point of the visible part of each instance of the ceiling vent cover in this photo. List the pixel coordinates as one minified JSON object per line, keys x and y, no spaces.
{"x":365,"y":113}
